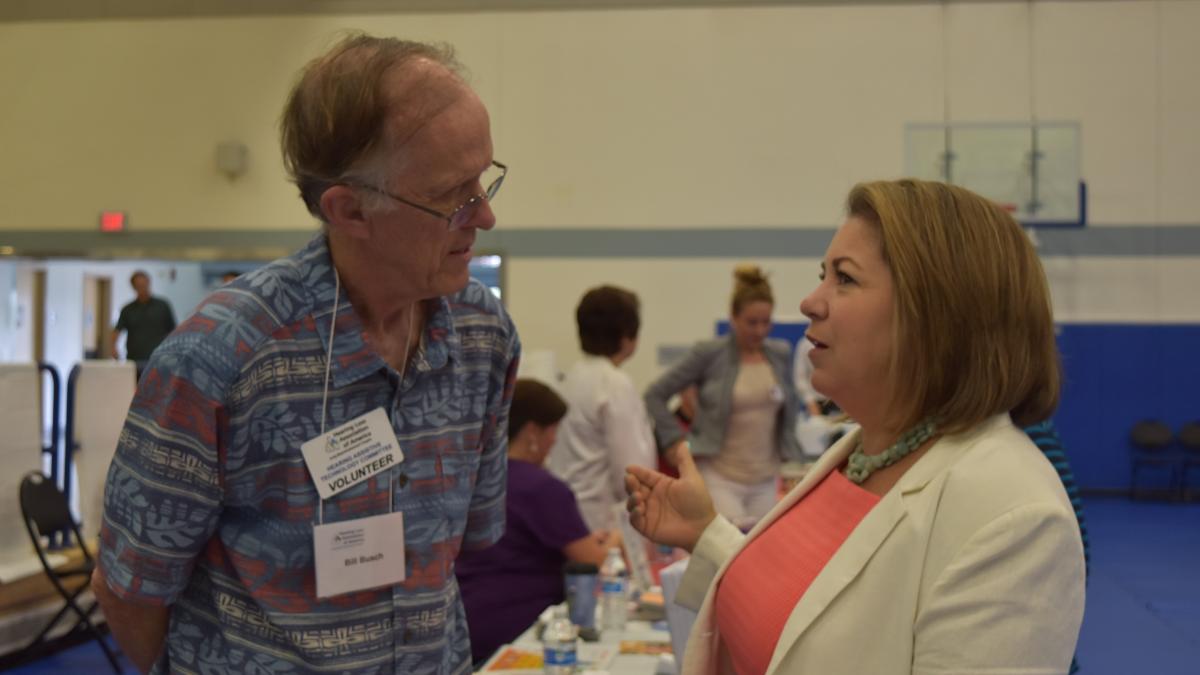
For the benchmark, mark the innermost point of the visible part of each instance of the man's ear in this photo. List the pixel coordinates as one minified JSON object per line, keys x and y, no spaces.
{"x":343,"y":209}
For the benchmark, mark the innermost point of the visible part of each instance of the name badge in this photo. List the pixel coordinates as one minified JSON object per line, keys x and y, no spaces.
{"x":355,"y":555}
{"x":352,"y":453}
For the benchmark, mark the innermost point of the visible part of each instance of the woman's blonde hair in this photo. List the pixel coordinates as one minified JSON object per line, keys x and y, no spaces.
{"x":749,"y":285}
{"x":973,"y":326}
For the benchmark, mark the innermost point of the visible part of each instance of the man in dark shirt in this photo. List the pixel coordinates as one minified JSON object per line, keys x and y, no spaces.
{"x":147,"y":320}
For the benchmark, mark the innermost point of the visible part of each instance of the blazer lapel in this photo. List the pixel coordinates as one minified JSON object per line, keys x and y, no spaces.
{"x":850,"y":559}
{"x":705,"y":625}
{"x":842,"y":568}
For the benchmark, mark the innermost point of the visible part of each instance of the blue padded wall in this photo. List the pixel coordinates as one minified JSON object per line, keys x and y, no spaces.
{"x":1113,"y":376}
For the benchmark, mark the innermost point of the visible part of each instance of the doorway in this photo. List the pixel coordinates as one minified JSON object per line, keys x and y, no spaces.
{"x":97,"y":308}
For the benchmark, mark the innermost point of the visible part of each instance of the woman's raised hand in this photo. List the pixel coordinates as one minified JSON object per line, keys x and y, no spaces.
{"x":670,"y":511}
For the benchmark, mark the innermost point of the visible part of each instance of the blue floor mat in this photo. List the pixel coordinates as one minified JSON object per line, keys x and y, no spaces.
{"x":1143,"y":602}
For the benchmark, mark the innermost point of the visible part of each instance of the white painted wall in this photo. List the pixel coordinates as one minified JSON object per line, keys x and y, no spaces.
{"x":664,"y":117}
{"x":13,"y":317}
{"x":635,"y":118}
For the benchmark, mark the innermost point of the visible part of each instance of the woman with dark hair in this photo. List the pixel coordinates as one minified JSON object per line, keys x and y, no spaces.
{"x":504,"y":588}
{"x":606,"y":428}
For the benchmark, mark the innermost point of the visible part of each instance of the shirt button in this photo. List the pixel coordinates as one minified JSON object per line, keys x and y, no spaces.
{"x":403,"y":479}
{"x":407,"y":635}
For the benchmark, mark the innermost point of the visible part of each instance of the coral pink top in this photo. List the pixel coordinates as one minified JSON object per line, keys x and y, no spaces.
{"x":768,"y":577}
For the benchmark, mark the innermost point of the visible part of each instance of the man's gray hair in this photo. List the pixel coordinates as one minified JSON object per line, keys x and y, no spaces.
{"x":335,"y":121}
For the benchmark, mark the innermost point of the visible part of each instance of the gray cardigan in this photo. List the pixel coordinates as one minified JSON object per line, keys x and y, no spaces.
{"x":712,"y":366}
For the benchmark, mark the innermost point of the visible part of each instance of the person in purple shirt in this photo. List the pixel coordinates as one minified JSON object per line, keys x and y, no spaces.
{"x":505,"y":587}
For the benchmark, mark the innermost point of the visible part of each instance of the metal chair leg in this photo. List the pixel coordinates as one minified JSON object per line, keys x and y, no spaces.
{"x":108,"y":652}
{"x":70,"y":600}
{"x":86,"y":621}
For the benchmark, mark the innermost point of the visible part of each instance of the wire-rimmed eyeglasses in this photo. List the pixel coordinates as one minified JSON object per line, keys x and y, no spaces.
{"x":462,"y":215}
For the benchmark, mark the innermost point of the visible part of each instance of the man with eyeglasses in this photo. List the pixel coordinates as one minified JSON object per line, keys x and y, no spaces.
{"x":308,"y":453}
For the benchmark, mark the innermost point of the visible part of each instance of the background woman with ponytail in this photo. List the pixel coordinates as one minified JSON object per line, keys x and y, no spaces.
{"x":746,"y":405}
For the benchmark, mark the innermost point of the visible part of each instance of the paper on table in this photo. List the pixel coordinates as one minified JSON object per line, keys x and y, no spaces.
{"x":527,"y":658}
{"x":650,"y":647}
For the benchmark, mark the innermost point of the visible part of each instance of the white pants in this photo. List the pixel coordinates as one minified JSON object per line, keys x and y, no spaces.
{"x":743,"y":504}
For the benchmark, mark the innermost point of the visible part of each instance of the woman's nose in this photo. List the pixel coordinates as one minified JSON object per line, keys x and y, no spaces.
{"x":812,"y":306}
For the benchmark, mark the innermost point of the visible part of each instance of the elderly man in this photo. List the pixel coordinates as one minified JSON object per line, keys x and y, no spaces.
{"x":308,"y":453}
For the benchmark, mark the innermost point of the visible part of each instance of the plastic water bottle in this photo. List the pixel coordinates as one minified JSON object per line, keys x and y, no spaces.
{"x":614,"y":590}
{"x":559,"y":643}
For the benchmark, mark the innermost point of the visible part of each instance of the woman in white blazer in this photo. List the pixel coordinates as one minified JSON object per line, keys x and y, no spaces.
{"x":936,"y":539}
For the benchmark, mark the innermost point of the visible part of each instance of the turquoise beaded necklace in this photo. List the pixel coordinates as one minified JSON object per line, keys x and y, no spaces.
{"x":859,"y":466}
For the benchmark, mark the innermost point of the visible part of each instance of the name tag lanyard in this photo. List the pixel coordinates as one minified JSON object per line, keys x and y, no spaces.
{"x":337,"y":296}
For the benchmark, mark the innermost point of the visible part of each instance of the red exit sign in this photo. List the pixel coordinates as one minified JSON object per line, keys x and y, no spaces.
{"x":113,"y":221}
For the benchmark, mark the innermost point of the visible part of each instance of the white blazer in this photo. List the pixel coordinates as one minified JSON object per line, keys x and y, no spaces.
{"x":972,"y":563}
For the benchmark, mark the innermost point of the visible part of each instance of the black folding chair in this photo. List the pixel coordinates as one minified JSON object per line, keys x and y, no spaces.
{"x":1189,"y":440}
{"x":45,"y":511}
{"x":1151,"y":441}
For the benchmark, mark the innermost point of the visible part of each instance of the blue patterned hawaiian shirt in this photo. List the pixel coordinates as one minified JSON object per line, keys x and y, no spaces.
{"x":209,"y":507}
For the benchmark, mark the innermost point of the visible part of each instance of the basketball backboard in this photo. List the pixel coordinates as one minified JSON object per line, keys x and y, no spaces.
{"x":1032,"y":170}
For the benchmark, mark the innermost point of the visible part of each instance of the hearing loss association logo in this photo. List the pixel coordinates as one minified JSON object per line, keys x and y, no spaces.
{"x":349,"y":539}
{"x":332,"y":445}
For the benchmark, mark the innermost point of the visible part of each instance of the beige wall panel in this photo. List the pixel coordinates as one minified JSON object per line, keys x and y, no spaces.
{"x":1179,"y":113}
{"x":666,"y":118}
{"x":716,"y":117}
{"x":1094,"y":62}
{"x":988,"y":59}
{"x":128,"y":114}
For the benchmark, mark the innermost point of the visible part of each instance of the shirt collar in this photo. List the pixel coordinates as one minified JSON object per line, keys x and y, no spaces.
{"x":598,"y":361}
{"x":441,"y":340}
{"x":353,"y":359}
